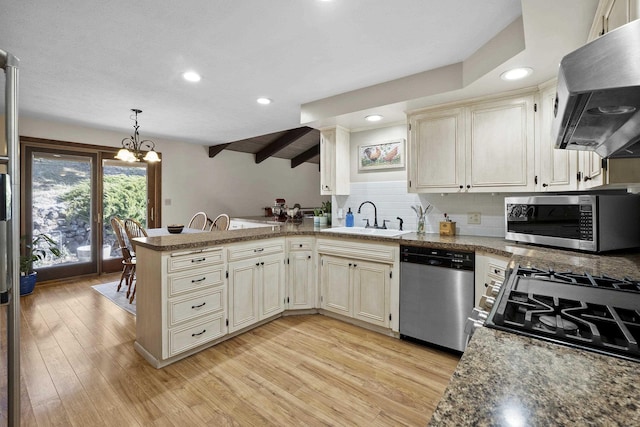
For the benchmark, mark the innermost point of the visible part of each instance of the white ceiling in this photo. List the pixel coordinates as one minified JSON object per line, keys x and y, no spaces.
{"x":89,"y":62}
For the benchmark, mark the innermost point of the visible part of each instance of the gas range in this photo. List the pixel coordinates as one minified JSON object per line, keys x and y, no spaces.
{"x":595,"y":313}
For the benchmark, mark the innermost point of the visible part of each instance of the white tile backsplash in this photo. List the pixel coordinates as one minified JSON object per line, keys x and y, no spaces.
{"x":392,"y":200}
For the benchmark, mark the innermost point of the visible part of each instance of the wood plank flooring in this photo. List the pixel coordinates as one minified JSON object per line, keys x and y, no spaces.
{"x":79,"y":368}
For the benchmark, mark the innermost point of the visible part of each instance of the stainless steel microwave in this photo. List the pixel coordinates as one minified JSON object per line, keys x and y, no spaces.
{"x":593,"y":223}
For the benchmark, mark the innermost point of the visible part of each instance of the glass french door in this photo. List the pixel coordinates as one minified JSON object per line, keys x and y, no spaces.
{"x":71,"y":193}
{"x":60,"y":204}
{"x":125,"y":194}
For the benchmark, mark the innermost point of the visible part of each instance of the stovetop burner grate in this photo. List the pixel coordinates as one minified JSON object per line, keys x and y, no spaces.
{"x":593,"y":320}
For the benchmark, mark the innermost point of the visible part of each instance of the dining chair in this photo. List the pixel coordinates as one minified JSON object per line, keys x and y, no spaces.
{"x":198,"y":221}
{"x":133,"y":229}
{"x":128,"y":260}
{"x":221,"y":222}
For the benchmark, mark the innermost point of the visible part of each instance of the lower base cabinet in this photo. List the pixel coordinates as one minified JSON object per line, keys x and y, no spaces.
{"x":359,"y":288}
{"x":355,"y":288}
{"x":301,"y":280}
{"x":256,"y":284}
{"x":190,"y":299}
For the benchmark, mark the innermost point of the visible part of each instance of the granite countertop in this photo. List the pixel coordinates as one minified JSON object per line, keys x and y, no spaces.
{"x":615,"y":264}
{"x":505,"y":379}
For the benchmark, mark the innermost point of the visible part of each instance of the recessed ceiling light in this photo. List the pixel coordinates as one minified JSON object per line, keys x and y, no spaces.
{"x":516,"y":73}
{"x":191,"y":76}
{"x":264,"y":101}
{"x":373,"y":118}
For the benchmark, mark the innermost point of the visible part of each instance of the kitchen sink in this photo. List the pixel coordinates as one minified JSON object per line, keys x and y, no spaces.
{"x":382,"y":232}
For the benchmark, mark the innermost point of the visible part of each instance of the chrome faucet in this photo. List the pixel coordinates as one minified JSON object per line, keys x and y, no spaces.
{"x":375,"y":214}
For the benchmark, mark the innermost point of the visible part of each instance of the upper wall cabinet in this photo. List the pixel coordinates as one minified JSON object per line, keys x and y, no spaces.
{"x":558,"y":169}
{"x":479,"y":147}
{"x":334,"y":161}
{"x":437,"y":151}
{"x":612,"y":14}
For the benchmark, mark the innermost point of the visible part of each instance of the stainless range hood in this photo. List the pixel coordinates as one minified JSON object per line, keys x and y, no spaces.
{"x":597,"y":104}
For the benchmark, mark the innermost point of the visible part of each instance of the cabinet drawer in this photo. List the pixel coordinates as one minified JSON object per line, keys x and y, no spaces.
{"x":299,"y":245}
{"x":183,"y":339}
{"x":184,"y":309}
{"x":355,"y":250}
{"x":496,"y":270}
{"x":194,"y":259}
{"x":192,"y":281}
{"x":256,"y":249}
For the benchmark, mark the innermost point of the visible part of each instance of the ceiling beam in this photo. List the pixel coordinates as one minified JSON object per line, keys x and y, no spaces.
{"x":286,"y":139}
{"x":215,"y":149}
{"x":303,"y":157}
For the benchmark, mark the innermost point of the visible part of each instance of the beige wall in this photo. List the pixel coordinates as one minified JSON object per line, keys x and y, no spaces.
{"x":231,"y":182}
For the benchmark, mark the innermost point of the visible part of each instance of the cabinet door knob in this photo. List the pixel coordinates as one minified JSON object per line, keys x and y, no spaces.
{"x":257,"y":264}
{"x":355,"y":265}
{"x":461,"y":187}
{"x":545,"y":185}
{"x":308,"y":256}
{"x":468,"y":186}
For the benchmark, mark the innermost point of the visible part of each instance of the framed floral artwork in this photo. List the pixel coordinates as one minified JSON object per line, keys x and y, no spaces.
{"x":382,"y":155}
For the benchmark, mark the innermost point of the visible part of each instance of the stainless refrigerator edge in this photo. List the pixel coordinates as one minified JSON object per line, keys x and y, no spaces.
{"x":10,"y":234}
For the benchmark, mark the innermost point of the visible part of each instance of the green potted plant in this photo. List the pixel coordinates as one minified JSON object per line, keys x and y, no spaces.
{"x":36,"y":250}
{"x":326,"y":207}
{"x":317,"y":214}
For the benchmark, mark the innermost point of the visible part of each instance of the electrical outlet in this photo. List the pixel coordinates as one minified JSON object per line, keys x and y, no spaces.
{"x":473,"y":217}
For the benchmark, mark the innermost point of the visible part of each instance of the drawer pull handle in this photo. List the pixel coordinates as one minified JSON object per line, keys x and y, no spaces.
{"x":258,"y":250}
{"x":300,"y":244}
{"x":199,"y":333}
{"x":198,"y":306}
{"x":198,"y":259}
{"x":198,"y":280}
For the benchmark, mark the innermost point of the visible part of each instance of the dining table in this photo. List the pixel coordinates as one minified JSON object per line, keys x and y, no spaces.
{"x":162,"y":231}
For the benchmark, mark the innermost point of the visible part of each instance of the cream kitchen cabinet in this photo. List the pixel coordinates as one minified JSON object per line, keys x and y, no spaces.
{"x":181,"y":302}
{"x":611,"y":14}
{"x":483,"y":146}
{"x":490,"y":271}
{"x":334,"y":161}
{"x":355,"y":288}
{"x":558,"y":169}
{"x":301,"y":283}
{"x":437,"y":151}
{"x":256,"y":282}
{"x":357,"y":280}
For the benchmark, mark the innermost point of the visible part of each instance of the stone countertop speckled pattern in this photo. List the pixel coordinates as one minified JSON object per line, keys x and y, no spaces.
{"x":615,"y":264}
{"x":505,"y":379}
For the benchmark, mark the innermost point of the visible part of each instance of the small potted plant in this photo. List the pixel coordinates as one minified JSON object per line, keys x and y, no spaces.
{"x":317,"y":214}
{"x":326,"y":207}
{"x":40,"y":245}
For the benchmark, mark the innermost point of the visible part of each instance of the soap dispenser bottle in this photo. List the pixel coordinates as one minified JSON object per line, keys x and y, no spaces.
{"x":349,"y":218}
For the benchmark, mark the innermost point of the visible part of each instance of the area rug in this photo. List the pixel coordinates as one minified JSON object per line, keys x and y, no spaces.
{"x":118,"y":298}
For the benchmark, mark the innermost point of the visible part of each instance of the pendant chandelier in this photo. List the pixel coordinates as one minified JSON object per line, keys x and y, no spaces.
{"x":132,"y":147}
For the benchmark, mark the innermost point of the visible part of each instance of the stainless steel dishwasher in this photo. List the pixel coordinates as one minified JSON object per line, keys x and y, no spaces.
{"x":436,"y":295}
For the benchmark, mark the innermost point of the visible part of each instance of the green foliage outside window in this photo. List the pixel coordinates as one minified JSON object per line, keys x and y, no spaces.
{"x":124,"y":196}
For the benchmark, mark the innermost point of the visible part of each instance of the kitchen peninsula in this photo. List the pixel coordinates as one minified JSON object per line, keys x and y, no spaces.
{"x":165,"y":272}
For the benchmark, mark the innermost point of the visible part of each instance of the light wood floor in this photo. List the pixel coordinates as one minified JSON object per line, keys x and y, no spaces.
{"x":79,"y":368}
